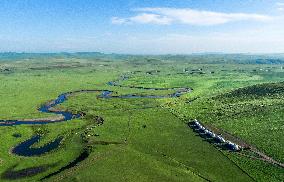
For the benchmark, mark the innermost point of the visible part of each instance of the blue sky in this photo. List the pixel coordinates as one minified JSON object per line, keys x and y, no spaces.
{"x":142,"y":26}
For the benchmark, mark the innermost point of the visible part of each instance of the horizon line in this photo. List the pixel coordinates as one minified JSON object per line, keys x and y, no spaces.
{"x":143,"y":54}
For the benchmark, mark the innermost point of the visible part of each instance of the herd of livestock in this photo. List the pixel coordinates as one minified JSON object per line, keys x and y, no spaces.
{"x":219,"y":139}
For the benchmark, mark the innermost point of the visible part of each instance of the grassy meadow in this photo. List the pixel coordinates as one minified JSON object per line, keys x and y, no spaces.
{"x":144,"y":139}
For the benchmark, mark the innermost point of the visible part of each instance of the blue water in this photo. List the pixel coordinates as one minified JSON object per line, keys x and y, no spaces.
{"x":105,"y":94}
{"x":46,"y":109}
{"x":25,"y":148}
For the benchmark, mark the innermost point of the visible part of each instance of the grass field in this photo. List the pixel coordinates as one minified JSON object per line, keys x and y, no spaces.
{"x":144,"y":139}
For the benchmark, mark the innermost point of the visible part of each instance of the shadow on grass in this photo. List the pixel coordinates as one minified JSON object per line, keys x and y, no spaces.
{"x":12,"y":174}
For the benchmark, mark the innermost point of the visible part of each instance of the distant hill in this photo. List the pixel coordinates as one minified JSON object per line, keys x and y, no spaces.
{"x":257,"y":91}
{"x":208,"y":58}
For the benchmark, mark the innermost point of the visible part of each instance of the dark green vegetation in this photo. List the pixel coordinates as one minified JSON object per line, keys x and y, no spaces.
{"x":145,"y":139}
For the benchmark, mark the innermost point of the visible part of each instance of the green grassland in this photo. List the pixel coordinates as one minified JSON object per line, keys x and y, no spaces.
{"x":145,"y":139}
{"x":254,"y":114}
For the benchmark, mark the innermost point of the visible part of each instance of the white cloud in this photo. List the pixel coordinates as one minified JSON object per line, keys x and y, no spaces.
{"x":143,"y":18}
{"x":167,"y":16}
{"x":118,"y":21}
{"x":151,"y":18}
{"x":280,"y":6}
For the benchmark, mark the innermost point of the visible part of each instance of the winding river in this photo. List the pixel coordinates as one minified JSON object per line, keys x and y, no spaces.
{"x":25,"y":148}
{"x":105,"y":94}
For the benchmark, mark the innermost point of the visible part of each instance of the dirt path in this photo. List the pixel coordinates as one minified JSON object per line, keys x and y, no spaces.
{"x":239,"y":141}
{"x":266,"y":158}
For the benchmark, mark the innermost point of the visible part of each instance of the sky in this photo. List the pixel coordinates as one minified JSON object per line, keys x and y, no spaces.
{"x":142,"y":26}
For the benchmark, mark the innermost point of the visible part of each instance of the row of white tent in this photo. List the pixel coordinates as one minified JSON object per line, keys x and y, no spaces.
{"x":219,"y":138}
